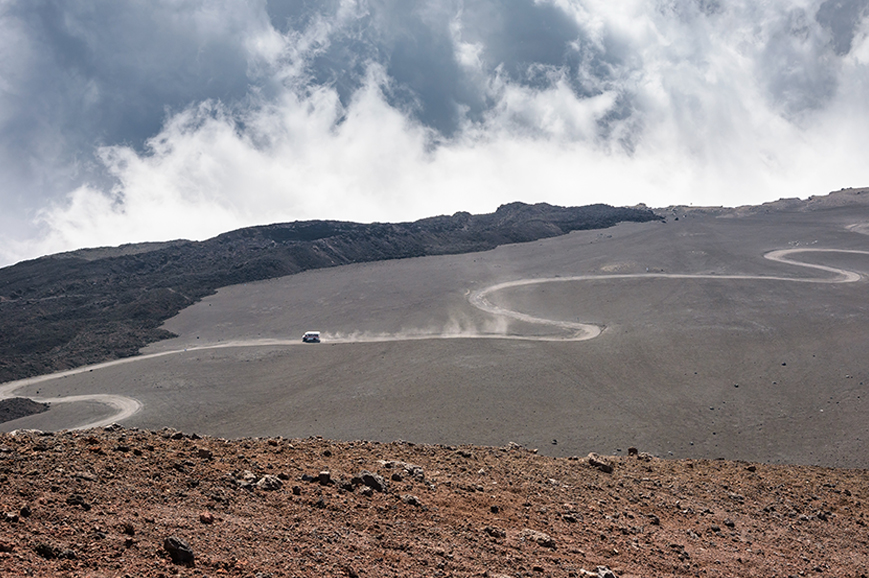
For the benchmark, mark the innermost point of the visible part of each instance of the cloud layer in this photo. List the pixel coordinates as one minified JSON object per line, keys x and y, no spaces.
{"x":124,"y":122}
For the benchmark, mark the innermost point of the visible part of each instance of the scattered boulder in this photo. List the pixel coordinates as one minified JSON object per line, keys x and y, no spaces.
{"x":46,"y":551}
{"x":410,"y":500}
{"x":248,"y":480}
{"x":495,"y":532}
{"x":372,"y":480}
{"x":29,"y":432}
{"x":77,"y":500}
{"x":513,"y":446}
{"x":50,"y":552}
{"x":269,"y":483}
{"x":172,"y":434}
{"x":405,"y":469}
{"x":600,"y":463}
{"x":540,"y":538}
{"x":178,"y":550}
{"x":206,"y":517}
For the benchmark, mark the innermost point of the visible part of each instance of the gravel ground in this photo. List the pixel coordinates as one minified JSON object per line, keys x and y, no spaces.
{"x":125,"y":502}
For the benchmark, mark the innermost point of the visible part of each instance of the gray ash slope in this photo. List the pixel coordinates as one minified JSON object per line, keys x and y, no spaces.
{"x":72,"y":309}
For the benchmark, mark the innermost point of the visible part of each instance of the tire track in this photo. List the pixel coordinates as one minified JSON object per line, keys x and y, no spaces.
{"x":586,"y":331}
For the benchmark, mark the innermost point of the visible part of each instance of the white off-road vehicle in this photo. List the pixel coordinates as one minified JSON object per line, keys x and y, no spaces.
{"x":311,"y":337}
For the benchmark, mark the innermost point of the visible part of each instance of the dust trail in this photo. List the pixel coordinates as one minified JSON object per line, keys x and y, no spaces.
{"x":862,"y":228}
{"x":577,"y":331}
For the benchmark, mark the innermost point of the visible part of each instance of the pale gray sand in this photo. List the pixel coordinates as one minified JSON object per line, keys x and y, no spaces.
{"x":661,"y":376}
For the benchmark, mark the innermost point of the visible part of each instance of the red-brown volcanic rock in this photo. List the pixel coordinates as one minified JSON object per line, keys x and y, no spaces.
{"x":111,"y":503}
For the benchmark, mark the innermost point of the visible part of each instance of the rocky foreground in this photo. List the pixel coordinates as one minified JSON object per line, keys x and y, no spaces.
{"x":122,"y":502}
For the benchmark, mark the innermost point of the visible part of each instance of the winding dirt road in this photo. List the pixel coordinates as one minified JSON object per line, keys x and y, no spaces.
{"x":128,"y":406}
{"x":585,"y":331}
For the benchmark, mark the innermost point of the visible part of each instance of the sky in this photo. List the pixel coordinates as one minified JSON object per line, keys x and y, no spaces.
{"x":151,"y":120}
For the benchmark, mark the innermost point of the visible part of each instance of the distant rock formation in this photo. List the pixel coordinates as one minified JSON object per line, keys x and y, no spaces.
{"x":841,"y":198}
{"x":16,"y":407}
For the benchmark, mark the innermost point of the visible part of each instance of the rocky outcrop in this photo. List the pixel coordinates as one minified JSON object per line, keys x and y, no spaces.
{"x":15,"y":407}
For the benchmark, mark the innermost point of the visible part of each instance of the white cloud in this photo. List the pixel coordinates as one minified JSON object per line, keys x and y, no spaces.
{"x":685,"y":104}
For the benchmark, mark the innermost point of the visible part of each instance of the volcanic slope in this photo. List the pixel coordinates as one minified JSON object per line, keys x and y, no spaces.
{"x":113,"y":503}
{"x":92,"y":305}
{"x":752,"y":368}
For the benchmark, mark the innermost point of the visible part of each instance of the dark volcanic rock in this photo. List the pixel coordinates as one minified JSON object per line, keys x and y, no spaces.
{"x":15,"y":407}
{"x":46,"y":551}
{"x":600,"y":463}
{"x":373,"y":481}
{"x":87,"y":306}
{"x":178,"y":550}
{"x":77,"y":500}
